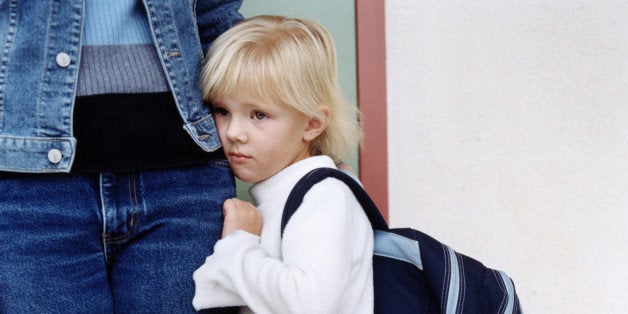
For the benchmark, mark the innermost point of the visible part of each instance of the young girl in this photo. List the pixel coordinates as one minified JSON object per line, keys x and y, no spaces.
{"x":272,"y":85}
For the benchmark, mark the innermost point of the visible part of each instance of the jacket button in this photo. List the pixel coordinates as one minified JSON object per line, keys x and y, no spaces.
{"x":54,"y":156}
{"x":63,"y":59}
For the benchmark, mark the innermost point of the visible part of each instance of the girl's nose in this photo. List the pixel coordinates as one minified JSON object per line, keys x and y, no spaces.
{"x":236,"y":131}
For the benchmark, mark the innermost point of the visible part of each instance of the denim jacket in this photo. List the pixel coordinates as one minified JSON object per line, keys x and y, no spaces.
{"x":39,"y":65}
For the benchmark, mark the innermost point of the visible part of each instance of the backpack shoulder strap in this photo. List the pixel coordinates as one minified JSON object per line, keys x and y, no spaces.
{"x":317,"y":175}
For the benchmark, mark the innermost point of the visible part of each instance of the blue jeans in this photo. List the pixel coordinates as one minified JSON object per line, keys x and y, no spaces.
{"x":108,"y":242}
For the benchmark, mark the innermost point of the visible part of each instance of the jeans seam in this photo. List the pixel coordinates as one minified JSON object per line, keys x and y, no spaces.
{"x":109,"y":239}
{"x":115,"y":239}
{"x":133,"y":200}
{"x":222,"y":163}
{"x":105,"y":240}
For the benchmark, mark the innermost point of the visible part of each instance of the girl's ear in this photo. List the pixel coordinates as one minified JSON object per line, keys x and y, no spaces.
{"x":317,"y":124}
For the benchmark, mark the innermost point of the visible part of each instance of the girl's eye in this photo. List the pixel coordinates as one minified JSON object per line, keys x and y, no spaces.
{"x":220,"y":111}
{"x":259,"y":115}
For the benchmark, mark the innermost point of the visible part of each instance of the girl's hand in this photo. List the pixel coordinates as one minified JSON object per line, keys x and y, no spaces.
{"x":241,"y":215}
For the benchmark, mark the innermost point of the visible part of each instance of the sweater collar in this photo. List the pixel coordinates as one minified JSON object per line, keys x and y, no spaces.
{"x":277,"y":187}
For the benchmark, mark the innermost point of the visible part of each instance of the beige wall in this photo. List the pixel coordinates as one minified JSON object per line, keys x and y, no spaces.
{"x":508,"y":140}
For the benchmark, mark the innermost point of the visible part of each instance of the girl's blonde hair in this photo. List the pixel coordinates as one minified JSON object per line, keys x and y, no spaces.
{"x":289,"y":62}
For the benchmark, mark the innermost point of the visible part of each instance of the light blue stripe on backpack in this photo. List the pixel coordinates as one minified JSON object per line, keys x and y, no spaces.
{"x":454,"y":282}
{"x":392,"y":245}
{"x":510,"y":292}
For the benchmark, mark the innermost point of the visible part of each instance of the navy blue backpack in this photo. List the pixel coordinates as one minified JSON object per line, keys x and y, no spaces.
{"x":414,"y":273}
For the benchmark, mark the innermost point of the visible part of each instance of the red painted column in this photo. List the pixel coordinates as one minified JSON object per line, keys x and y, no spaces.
{"x":371,"y":71}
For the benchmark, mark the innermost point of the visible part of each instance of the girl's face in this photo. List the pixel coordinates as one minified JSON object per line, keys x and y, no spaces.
{"x":260,"y":139}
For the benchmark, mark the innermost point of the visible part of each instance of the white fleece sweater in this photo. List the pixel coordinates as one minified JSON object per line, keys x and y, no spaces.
{"x":323,"y":264}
